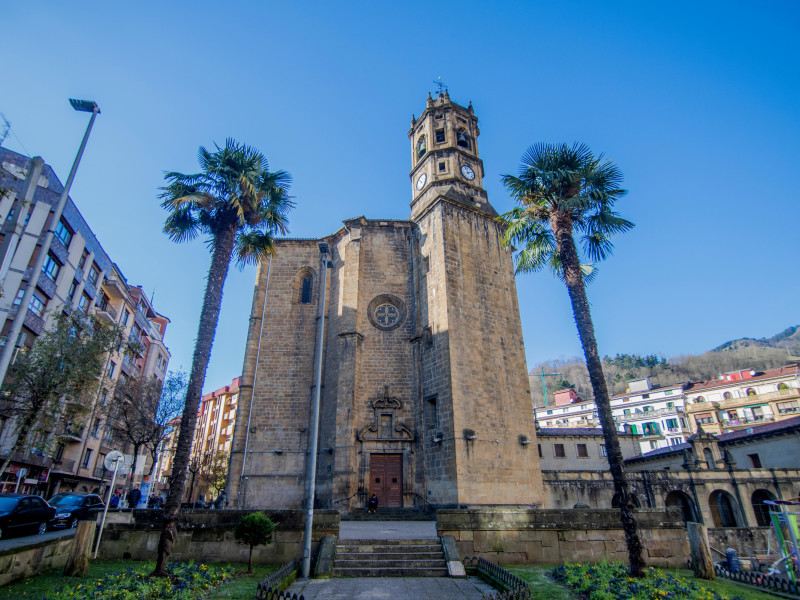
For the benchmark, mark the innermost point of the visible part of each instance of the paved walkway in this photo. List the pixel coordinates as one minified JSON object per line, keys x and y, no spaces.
{"x":28,"y":540}
{"x":396,"y":588}
{"x":387,"y":530}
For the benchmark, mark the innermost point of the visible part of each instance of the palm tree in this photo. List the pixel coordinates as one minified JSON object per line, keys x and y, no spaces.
{"x":560,"y":191}
{"x":239,"y":205}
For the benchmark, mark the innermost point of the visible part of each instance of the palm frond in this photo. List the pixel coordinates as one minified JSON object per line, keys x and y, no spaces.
{"x":252,"y":246}
{"x":182,"y":226}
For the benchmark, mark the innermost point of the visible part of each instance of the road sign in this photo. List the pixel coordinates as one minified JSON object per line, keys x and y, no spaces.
{"x":22,"y":472}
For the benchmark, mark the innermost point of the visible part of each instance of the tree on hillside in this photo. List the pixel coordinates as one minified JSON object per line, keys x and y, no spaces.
{"x":49,"y":383}
{"x":561,"y":191}
{"x":141,"y":410}
{"x":238,"y":205}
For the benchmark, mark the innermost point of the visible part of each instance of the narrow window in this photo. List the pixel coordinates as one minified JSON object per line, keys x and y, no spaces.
{"x":439,"y":136}
{"x":431,"y":413}
{"x":540,"y":450}
{"x":422,"y":147}
{"x":583,"y":451}
{"x":558,"y":450}
{"x":111,"y":366}
{"x":603,"y":450}
{"x":87,"y":458}
{"x":18,"y":298}
{"x":82,"y":261}
{"x":96,"y":428}
{"x":72,"y":288}
{"x":83,"y":303}
{"x":755,"y":460}
{"x":63,"y":233}
{"x":94,"y":273}
{"x":305,"y":294}
{"x":37,"y":305}
{"x":125,"y":317}
{"x":441,"y":167}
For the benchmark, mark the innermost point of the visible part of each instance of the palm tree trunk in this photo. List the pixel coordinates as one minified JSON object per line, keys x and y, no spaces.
{"x":561,"y":224}
{"x":209,"y":315}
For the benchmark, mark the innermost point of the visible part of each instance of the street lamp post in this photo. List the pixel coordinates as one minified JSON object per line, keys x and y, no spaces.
{"x":16,"y":326}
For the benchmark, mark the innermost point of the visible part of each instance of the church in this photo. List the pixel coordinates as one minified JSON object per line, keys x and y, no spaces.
{"x":425,"y":399}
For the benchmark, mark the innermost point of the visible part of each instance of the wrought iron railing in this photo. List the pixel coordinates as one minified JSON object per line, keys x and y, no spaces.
{"x":762,"y":580}
{"x":273,"y":586}
{"x":498,"y":575}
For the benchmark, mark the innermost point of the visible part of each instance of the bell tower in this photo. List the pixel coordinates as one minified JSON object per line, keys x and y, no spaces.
{"x":444,"y":157}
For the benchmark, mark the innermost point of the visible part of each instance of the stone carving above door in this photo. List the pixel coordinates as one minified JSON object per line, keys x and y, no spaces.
{"x":386,"y":425}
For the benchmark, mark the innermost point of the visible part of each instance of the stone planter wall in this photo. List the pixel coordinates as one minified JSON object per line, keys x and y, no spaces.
{"x":32,"y":559}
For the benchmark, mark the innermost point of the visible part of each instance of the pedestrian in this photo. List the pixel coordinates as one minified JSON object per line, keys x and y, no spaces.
{"x":133,"y":497}
{"x":373,"y":504}
{"x":114,"y":502}
{"x":222,"y":500}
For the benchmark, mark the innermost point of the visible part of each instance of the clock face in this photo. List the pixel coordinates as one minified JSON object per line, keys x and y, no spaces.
{"x":421,"y":181}
{"x":467,"y":172}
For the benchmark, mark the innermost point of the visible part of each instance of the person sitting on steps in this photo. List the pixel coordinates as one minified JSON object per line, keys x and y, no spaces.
{"x":372,"y":507}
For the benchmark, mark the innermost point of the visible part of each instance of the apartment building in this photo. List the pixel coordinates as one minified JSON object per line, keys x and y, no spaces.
{"x":211,"y":444}
{"x":77,"y":275}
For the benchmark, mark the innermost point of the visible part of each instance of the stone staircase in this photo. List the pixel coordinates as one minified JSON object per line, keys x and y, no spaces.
{"x":390,"y":514}
{"x":390,"y":558}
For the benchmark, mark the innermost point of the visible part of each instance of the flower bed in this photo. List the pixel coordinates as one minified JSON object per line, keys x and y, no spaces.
{"x":606,"y":581}
{"x":186,"y":582}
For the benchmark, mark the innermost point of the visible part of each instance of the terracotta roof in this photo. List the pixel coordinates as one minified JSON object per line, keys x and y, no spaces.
{"x":760,"y":430}
{"x":716,"y":383}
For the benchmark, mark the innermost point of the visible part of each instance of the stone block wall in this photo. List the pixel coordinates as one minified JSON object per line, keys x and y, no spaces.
{"x":19,"y":563}
{"x":523,"y":536}
{"x":207,"y":535}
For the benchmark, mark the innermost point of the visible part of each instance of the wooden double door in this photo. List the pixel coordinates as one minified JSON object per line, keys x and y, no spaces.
{"x":386,"y":479}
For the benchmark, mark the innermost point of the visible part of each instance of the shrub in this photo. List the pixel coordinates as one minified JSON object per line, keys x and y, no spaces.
{"x":254,"y":530}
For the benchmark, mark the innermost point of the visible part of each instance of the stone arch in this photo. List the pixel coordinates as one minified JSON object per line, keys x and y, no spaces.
{"x":303,"y":290}
{"x":615,"y":501}
{"x":724,"y":511}
{"x":682,"y":501}
{"x":760,"y":509}
{"x":422,"y":146}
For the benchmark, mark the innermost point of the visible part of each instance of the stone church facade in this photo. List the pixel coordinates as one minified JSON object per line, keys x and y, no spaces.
{"x":425,"y":394}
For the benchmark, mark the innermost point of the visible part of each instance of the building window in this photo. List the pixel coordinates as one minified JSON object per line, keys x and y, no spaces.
{"x":59,"y":453}
{"x":96,"y":428}
{"x":750,"y":392}
{"x":727,"y":396}
{"x":63,"y":233}
{"x":670,"y":405}
{"x":439,"y":136}
{"x":37,"y":305}
{"x":540,"y":450}
{"x":558,"y":451}
{"x":72,"y":289}
{"x":18,"y":298}
{"x":104,"y":398}
{"x":675,"y":441}
{"x":755,"y":460}
{"x":83,"y":303}
{"x":787,"y":407}
{"x":650,"y":429}
{"x":94,"y":274}
{"x":672,"y":424}
{"x":125,"y":316}
{"x":305,"y":292}
{"x":51,"y":267}
{"x":704,"y":419}
{"x":782,"y":386}
{"x":626,"y":411}
{"x":431,"y":413}
{"x":462,"y":139}
{"x":87,"y":457}
{"x":82,"y":261}
{"x":111,"y":366}
{"x":583,"y":451}
{"x":441,"y":167}
{"x":668,"y":393}
{"x":700,"y":399}
{"x":422,"y":147}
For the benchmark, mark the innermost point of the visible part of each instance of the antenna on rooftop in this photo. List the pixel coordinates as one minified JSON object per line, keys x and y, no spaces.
{"x":442,"y":88}
{"x":5,"y":127}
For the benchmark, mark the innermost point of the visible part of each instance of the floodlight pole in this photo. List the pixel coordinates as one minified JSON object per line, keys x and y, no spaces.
{"x":19,"y":318}
{"x":312,"y":451}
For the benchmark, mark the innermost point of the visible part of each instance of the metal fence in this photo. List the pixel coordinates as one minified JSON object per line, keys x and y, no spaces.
{"x":762,"y":580}
{"x":269,"y":587}
{"x":513,"y":588}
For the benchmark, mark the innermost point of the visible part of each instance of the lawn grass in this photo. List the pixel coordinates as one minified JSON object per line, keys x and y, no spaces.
{"x":242,"y":586}
{"x":544,"y":588}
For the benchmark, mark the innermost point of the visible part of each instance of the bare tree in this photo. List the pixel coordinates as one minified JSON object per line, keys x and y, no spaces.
{"x":141,"y":410}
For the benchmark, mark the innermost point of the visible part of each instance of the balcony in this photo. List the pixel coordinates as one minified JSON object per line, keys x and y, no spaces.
{"x":28,"y":458}
{"x":106,"y":312}
{"x":650,"y":414}
{"x":65,"y":465}
{"x":100,"y":472}
{"x":746,"y":421}
{"x":129,"y":367}
{"x":74,"y":432}
{"x":114,"y":287}
{"x":136,"y":344}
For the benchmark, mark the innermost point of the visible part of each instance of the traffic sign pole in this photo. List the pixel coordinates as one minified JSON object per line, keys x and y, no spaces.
{"x":116,"y":460}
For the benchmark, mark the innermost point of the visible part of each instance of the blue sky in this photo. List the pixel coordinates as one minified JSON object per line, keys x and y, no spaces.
{"x":697,"y":102}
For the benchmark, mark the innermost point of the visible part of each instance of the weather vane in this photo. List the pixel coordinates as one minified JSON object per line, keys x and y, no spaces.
{"x":442,"y":87}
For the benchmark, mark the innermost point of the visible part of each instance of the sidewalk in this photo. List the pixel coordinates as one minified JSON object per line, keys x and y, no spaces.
{"x":387,"y":530}
{"x":396,"y":588}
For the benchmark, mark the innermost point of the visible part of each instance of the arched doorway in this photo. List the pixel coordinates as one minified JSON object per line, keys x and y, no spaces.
{"x":723,"y":510}
{"x":760,"y":509}
{"x":615,"y":500}
{"x":684,"y":502}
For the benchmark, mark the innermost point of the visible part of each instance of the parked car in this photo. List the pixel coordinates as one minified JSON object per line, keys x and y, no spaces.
{"x":71,"y":508}
{"x":23,"y":513}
